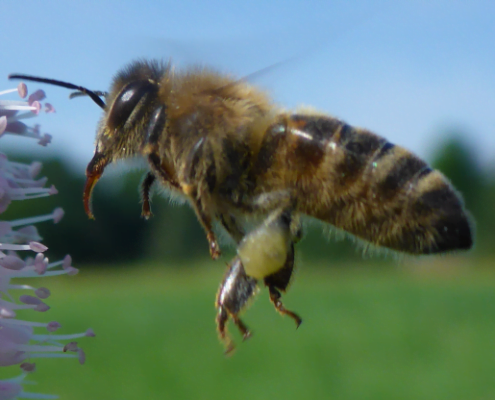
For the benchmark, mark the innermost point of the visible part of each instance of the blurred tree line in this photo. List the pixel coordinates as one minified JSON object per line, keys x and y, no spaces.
{"x":174,"y":236}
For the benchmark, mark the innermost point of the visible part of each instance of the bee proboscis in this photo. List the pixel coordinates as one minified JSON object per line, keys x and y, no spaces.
{"x":235,"y":156}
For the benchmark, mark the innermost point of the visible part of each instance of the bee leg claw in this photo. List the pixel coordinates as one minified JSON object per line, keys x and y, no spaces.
{"x":222,"y":318}
{"x":275,"y":299}
{"x":221,"y":321}
{"x":214,"y":246}
{"x":229,"y":350}
{"x":205,"y":221}
{"x":146,"y":211}
{"x":246,"y":333}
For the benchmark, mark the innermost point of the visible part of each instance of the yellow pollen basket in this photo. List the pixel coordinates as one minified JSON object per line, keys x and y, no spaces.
{"x":264,"y":251}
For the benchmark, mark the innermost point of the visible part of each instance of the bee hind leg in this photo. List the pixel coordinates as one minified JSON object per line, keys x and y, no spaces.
{"x":275,"y":299}
{"x":234,"y":294}
{"x":268,"y":253}
{"x":279,"y":281}
{"x":221,"y":320}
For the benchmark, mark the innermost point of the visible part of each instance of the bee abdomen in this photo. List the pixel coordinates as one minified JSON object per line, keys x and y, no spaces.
{"x":413,"y":208}
{"x":361,"y":183}
{"x":438,"y":207}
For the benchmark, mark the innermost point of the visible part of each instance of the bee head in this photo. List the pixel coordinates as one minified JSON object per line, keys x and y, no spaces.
{"x":119,"y":133}
{"x":123,"y":128}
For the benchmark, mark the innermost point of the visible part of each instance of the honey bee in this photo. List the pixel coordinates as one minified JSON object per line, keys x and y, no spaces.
{"x":238,"y":158}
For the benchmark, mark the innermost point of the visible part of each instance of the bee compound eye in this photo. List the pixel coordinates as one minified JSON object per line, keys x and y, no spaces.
{"x":127,"y":100}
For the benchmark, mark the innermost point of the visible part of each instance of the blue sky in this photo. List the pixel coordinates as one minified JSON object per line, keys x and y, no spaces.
{"x":408,"y":70}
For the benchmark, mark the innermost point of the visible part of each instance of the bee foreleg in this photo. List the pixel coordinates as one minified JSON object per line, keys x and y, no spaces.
{"x":160,"y":172}
{"x":145,"y":194}
{"x":236,"y":290}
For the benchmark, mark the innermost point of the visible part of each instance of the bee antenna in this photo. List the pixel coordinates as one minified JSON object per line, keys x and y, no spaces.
{"x":99,"y":93}
{"x":94,"y":95}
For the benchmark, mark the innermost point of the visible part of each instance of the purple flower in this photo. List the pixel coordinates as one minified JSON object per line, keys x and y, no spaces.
{"x":12,"y":389}
{"x":13,"y":111}
{"x":20,"y":342}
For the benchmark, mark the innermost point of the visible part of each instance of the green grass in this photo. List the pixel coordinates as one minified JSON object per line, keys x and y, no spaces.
{"x":367,"y":334}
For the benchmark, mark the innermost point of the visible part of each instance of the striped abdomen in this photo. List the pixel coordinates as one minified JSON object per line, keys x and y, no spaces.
{"x":361,"y":183}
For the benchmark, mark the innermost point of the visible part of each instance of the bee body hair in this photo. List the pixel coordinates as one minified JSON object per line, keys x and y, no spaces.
{"x":257,"y":169}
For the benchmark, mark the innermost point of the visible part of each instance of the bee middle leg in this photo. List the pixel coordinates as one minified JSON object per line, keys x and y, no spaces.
{"x":198,"y":180}
{"x":206,"y":221}
{"x":159,"y":171}
{"x":232,"y":227}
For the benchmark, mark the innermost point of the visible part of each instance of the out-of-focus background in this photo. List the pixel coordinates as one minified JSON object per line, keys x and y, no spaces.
{"x":421,"y":73}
